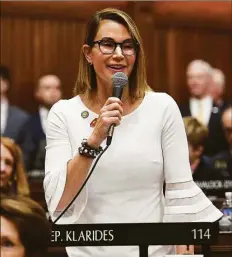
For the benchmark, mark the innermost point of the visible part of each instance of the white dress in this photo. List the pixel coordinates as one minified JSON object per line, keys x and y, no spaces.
{"x":148,"y":147}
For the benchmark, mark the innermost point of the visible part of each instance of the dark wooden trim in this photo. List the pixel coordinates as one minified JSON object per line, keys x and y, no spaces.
{"x":214,"y":14}
{"x":59,"y":10}
{"x":205,"y":14}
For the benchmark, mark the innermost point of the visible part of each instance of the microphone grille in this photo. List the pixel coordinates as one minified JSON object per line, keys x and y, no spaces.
{"x":119,"y":79}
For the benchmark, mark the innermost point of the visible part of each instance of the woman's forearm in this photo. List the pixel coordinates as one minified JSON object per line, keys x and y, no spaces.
{"x":77,"y":171}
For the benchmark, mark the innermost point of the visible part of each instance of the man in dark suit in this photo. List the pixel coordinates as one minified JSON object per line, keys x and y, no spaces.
{"x":202,"y":107}
{"x":32,"y":138}
{"x":12,"y":118}
{"x":217,"y":89}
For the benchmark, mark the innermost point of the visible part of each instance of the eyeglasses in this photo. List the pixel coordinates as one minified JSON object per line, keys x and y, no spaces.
{"x":108,"y":46}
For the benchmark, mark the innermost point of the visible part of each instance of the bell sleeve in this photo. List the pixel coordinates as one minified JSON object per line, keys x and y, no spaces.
{"x":58,"y":154}
{"x":184,"y":200}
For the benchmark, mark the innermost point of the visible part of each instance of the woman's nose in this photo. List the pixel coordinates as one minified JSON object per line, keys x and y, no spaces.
{"x":118,"y":52}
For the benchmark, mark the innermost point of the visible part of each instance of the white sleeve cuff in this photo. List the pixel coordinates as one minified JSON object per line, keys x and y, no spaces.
{"x":185,"y":202}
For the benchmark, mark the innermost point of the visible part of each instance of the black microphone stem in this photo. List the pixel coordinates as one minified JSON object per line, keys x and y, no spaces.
{"x":110,"y":135}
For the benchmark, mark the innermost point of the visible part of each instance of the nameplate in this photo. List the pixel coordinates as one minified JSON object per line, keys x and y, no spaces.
{"x":134,"y":234}
{"x":215,"y":184}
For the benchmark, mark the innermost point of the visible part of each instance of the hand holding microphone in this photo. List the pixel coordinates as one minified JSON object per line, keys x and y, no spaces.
{"x":111,"y":113}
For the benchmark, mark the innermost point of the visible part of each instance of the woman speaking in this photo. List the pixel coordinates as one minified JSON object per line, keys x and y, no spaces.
{"x":149,"y":144}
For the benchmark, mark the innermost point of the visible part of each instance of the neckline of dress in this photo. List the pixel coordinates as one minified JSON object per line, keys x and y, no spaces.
{"x":123,"y":117}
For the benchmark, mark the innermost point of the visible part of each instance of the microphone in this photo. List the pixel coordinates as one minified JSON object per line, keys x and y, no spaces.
{"x":119,"y":80}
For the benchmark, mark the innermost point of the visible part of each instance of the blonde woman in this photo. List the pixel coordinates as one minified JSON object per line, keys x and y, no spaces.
{"x":13,"y":179}
{"x":149,"y":144}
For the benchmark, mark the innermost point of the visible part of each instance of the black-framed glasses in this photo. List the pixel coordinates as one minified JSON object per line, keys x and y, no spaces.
{"x":108,"y":46}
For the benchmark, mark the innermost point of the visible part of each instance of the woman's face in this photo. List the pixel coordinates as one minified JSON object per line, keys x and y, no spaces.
{"x":11,"y":245}
{"x":7,"y":164}
{"x":105,"y":65}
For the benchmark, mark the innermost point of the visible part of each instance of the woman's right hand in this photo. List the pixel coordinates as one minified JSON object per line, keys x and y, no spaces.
{"x":110,"y":113}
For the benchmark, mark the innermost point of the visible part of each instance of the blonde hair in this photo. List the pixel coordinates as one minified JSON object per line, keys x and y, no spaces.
{"x":30,"y":221}
{"x":86,"y":80}
{"x":196,"y":132}
{"x":18,"y":180}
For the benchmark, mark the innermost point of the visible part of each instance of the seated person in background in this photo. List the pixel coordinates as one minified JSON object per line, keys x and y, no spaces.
{"x":25,"y":230}
{"x":196,"y":135}
{"x":12,"y":117}
{"x":32,"y":137}
{"x":212,"y":181}
{"x":13,"y":178}
{"x":217,"y":89}
{"x":222,"y":162}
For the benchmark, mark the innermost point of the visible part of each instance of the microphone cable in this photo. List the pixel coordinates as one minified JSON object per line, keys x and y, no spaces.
{"x":86,"y":180}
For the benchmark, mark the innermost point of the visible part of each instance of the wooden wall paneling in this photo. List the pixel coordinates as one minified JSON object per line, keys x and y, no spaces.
{"x":39,"y":37}
{"x":5,"y":40}
{"x":80,"y":10}
{"x":216,"y":48}
{"x":15,"y":53}
{"x":194,"y":13}
{"x":69,"y":54}
{"x":160,"y":60}
{"x":172,"y":57}
{"x":182,"y":49}
{"x":143,"y":16}
{"x":193,"y":31}
{"x":59,"y":44}
{"x":21,"y":61}
{"x":185,"y":45}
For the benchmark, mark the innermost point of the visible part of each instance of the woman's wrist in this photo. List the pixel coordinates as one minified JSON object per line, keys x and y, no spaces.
{"x":94,"y":142}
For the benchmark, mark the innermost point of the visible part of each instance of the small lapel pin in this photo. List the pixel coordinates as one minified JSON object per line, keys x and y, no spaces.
{"x":215,"y":109}
{"x":85,"y":114}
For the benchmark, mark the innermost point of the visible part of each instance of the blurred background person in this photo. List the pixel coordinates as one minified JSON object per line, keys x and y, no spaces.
{"x":202,"y":107}
{"x":13,"y":177}
{"x":25,"y":230}
{"x":12,"y":117}
{"x":196,"y":135}
{"x":217,"y":89}
{"x":32,"y":137}
{"x":223,"y":161}
{"x":209,"y":179}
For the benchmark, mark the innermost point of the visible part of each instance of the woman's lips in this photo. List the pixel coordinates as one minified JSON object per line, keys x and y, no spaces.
{"x":116,"y":68}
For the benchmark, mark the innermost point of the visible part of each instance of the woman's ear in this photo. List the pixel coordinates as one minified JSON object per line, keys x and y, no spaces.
{"x":87,"y":52}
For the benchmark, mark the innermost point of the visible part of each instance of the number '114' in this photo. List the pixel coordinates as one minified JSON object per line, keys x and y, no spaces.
{"x":200,"y":233}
